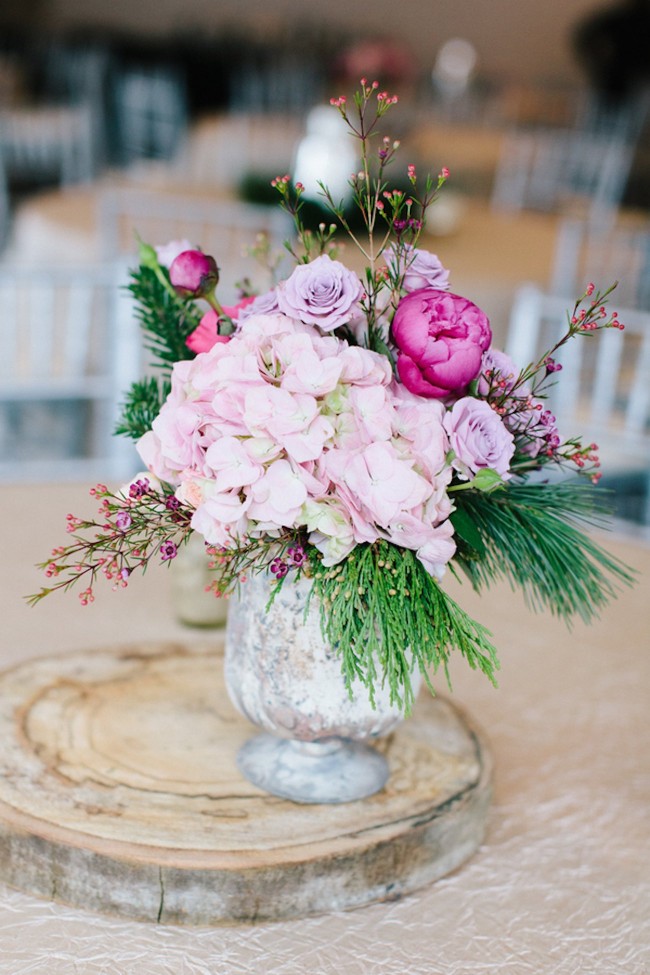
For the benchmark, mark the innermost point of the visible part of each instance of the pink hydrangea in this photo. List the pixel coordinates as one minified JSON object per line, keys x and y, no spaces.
{"x":286,"y":428}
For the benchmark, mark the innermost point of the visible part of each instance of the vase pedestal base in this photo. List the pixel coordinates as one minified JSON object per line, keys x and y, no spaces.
{"x":120,"y":793}
{"x":331,"y":771}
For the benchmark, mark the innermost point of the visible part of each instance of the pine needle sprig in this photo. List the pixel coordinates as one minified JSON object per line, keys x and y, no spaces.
{"x":165,"y":319}
{"x":142,"y":405}
{"x":387,"y":616}
{"x":529,"y":535}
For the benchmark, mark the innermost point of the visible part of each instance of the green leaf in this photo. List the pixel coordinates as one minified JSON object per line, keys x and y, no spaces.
{"x":466,"y":529}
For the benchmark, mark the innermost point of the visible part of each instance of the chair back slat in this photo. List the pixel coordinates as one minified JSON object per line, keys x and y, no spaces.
{"x":66,"y":361}
{"x":226,"y":229}
{"x":42,"y":326}
{"x":603,"y":391}
{"x":561,"y":169}
{"x":604,"y":254}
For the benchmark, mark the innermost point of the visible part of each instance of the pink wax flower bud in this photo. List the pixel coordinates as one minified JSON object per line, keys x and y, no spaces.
{"x":194,"y":274}
{"x":440,"y":338}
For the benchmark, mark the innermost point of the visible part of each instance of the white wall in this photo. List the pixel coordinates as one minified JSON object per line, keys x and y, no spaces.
{"x":516,"y":39}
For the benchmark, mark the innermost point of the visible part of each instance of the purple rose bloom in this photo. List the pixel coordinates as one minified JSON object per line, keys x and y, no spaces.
{"x":497,"y":365}
{"x":478,"y":437}
{"x":323,"y":292}
{"x":194,"y":274}
{"x":420,"y":268}
{"x":440,"y":339}
{"x":266,"y":304}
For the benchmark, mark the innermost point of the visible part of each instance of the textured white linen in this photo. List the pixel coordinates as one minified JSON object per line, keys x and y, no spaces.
{"x":561,"y":885}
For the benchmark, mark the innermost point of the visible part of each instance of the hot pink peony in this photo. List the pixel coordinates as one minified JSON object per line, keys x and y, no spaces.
{"x":440,"y":339}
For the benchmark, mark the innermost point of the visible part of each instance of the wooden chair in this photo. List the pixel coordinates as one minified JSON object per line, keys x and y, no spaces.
{"x":69,"y":349}
{"x":562,"y":170}
{"x":225,"y":229}
{"x":604,"y":254}
{"x":603,"y":391}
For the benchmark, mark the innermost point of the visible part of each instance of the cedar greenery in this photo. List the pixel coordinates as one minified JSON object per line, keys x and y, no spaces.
{"x":142,"y":406}
{"x":166,"y":321}
{"x":386,"y":616}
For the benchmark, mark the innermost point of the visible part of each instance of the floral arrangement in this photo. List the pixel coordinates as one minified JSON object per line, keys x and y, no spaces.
{"x":359,"y":431}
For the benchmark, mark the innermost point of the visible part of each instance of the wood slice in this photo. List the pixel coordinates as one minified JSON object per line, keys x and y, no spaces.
{"x":119,"y":792}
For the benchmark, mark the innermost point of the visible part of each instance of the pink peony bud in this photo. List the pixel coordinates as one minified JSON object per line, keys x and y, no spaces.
{"x":194,"y":274}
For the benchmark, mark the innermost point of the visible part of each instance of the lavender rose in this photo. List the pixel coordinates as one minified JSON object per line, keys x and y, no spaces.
{"x":323,"y":292}
{"x":498,"y":367}
{"x":478,"y":437}
{"x":266,"y":304}
{"x":440,"y":339}
{"x":420,"y":268}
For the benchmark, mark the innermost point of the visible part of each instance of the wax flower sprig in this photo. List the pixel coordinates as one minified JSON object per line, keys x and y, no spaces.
{"x":517,"y":395}
{"x":402,"y":214}
{"x":134,"y":526}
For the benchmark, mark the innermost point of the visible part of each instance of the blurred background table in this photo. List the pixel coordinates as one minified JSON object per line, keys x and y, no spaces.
{"x":560,"y":884}
{"x":488,"y":253}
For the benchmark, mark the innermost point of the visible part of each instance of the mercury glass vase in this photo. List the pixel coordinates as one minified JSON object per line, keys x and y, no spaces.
{"x":286,"y":679}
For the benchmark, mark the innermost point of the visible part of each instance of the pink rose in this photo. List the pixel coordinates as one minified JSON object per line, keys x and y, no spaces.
{"x":440,"y":339}
{"x":478,"y":437}
{"x":498,"y":367}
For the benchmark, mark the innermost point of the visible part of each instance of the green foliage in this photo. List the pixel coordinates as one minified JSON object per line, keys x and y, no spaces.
{"x":142,"y":406}
{"x":530,"y":534}
{"x":166,"y":319}
{"x":386,"y":615}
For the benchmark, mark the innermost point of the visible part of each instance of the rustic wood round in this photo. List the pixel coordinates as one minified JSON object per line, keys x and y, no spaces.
{"x":119,"y":793}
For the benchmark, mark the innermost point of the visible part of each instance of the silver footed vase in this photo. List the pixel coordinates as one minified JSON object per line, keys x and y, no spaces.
{"x":283,"y":676}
